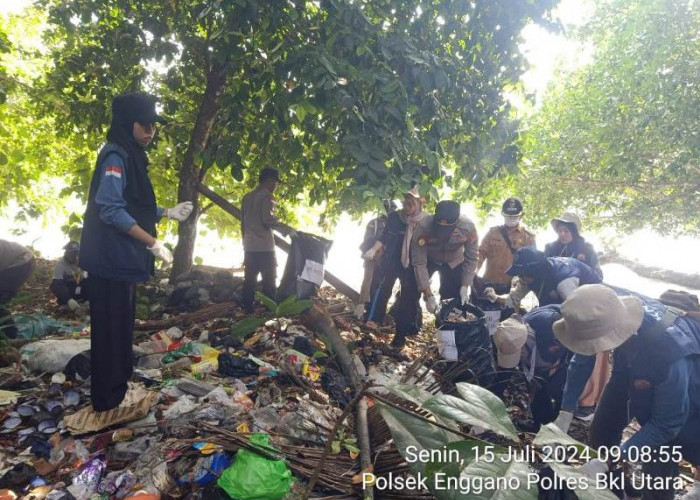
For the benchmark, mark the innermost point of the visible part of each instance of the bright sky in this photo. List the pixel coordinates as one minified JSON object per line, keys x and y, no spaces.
{"x":13,"y":6}
{"x":545,"y":51}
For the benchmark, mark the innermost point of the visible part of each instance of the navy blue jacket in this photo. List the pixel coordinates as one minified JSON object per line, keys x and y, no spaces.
{"x":557,"y":270}
{"x":541,"y":320}
{"x":106,"y":250}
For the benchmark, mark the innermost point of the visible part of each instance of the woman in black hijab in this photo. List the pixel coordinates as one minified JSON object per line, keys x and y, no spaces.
{"x":118,"y":243}
{"x":570,"y":242}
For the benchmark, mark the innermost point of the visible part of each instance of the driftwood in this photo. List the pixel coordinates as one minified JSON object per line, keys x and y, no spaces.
{"x":319,"y":321}
{"x":689,"y":280}
{"x":222,"y":310}
{"x":333,"y":280}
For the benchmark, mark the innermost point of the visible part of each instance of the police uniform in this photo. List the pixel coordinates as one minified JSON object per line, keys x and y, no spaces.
{"x":501,"y":242}
{"x":498,"y":255}
{"x":454,"y":257}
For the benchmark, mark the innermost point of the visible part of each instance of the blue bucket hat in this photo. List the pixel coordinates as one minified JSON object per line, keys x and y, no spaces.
{"x":527,"y":261}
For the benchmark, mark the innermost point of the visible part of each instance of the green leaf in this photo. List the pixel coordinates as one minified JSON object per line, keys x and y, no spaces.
{"x":410,"y":431}
{"x":410,"y":392}
{"x":3,"y":158}
{"x":515,"y":472}
{"x":237,"y":172}
{"x":351,"y":447}
{"x":335,"y":447}
{"x":285,"y":305}
{"x":479,"y":407}
{"x":448,"y":463}
{"x":551,"y":435}
{"x":246,"y":326}
{"x":267,"y":301}
{"x":454,"y":459}
{"x":294,"y":308}
{"x":576,"y":476}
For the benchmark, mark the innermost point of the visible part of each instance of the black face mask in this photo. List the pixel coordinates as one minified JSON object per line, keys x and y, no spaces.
{"x":442,"y":233}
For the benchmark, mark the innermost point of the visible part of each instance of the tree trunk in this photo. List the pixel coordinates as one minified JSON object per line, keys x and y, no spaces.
{"x":319,"y":321}
{"x":191,"y":175}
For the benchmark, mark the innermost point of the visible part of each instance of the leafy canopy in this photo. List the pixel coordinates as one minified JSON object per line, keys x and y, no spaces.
{"x":620,"y":138}
{"x":353,"y":101}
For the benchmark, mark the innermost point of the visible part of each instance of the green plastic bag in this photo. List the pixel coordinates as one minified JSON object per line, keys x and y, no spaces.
{"x":254,"y":477}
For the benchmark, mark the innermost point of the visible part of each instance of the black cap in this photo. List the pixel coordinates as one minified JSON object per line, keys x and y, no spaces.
{"x":446,"y":213}
{"x":527,"y":261}
{"x":72,"y":246}
{"x":136,"y":107}
{"x":268,"y":173}
{"x":512,"y":206}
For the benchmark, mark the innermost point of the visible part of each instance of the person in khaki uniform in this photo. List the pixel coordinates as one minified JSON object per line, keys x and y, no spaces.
{"x":446,"y":243}
{"x":258,"y":222}
{"x":501,"y":242}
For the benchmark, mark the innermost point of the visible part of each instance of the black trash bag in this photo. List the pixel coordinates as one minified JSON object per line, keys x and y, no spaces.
{"x":337,"y":387}
{"x":305,"y":247}
{"x":210,"y":492}
{"x":466,"y":342}
{"x":235,"y":366}
{"x":224,"y":340}
{"x":304,"y":345}
{"x":78,"y":366}
{"x":478,"y":298}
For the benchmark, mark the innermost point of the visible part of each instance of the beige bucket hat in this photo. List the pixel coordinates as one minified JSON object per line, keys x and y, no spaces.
{"x":510,"y":337}
{"x":595,"y":319}
{"x":569,"y":217}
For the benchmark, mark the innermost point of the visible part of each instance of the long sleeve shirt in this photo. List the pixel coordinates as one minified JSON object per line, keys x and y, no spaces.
{"x":66,"y":271}
{"x":259,"y":221}
{"x":460,"y":250}
{"x":495,"y":252}
{"x":581,"y":366}
{"x":675,"y":400}
{"x":110,"y":194}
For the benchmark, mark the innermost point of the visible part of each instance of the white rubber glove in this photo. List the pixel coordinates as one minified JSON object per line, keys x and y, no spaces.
{"x":464,"y":294}
{"x":564,"y":419}
{"x":179,"y":212}
{"x":161,"y":252}
{"x":593,"y":468}
{"x":431,"y":304}
{"x":505,"y":301}
{"x":359,"y":311}
{"x":73,"y":304}
{"x":369,"y":254}
{"x":490,"y":294}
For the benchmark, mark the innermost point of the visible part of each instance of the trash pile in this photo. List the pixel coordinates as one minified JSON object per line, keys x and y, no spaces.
{"x":201,"y":286}
{"x":208,"y":414}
